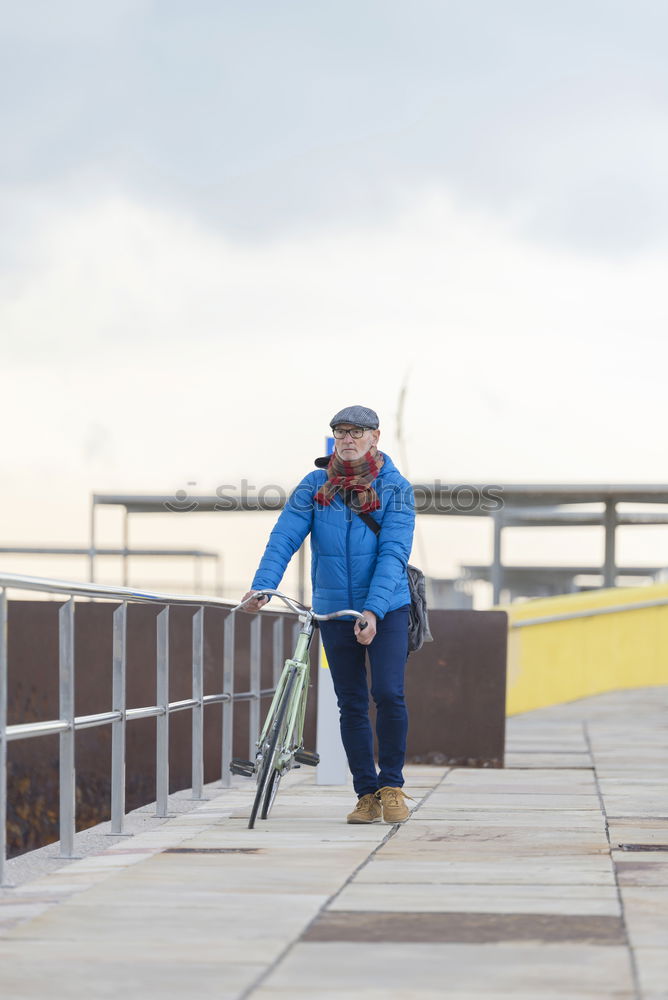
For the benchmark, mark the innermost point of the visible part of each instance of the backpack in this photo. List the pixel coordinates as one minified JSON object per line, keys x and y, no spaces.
{"x":418,"y":617}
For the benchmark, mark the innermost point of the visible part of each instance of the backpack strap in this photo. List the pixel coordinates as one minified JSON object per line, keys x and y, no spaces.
{"x":367,"y":518}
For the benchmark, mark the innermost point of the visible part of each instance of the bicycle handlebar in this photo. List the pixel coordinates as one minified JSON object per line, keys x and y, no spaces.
{"x":300,"y":608}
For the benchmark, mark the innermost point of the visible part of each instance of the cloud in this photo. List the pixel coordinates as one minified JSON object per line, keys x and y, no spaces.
{"x":202,"y":357}
{"x":265,"y":121}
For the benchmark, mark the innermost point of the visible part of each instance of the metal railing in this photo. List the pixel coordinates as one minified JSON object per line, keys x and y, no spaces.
{"x":68,"y":723}
{"x":69,"y":550}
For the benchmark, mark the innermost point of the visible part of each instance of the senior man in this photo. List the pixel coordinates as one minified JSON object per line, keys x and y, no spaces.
{"x":353,"y":567}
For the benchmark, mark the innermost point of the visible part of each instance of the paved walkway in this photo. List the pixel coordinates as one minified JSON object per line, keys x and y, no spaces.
{"x":505,"y":883}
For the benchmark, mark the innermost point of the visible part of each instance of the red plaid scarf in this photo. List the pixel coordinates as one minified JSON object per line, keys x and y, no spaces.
{"x":354,"y":478}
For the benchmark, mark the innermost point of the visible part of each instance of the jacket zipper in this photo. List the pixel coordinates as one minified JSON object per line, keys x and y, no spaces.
{"x":350,"y":576}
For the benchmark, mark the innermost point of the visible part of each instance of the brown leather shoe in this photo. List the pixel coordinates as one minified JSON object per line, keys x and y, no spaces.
{"x":367,"y":810}
{"x":395,"y":809}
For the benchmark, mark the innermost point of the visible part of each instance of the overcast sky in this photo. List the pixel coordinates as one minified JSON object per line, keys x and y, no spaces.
{"x":221,"y":222}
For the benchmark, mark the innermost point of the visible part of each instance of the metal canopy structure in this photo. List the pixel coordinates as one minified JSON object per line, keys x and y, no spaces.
{"x":520,"y":494}
{"x":507,"y":504}
{"x":550,"y":580}
{"x":521,"y":503}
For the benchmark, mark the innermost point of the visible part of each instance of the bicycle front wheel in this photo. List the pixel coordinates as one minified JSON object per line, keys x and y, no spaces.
{"x":268,"y":776}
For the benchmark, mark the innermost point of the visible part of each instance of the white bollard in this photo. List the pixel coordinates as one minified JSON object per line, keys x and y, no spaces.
{"x":333,"y":766}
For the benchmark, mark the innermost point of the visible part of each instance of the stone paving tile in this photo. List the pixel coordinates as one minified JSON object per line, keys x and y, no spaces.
{"x":272,"y":870}
{"x":237,"y":928}
{"x":415,"y":992}
{"x":333,"y":832}
{"x":501,"y":775}
{"x":610,"y":781}
{"x":637,"y":831}
{"x":653,"y":972}
{"x":109,"y":976}
{"x":632,"y":806}
{"x":590,"y":871}
{"x":642,"y":873}
{"x":470,"y":821}
{"x":489,"y":853}
{"x":448,"y":898}
{"x":523,"y":969}
{"x":541,"y":760}
{"x":649,"y":857}
{"x":11,"y":912}
{"x":516,"y":800}
{"x":429,"y":828}
{"x":412,"y":926}
{"x":539,"y":787}
{"x":499,"y":844}
{"x":646,"y":914}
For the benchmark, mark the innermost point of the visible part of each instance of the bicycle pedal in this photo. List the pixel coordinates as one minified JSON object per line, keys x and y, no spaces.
{"x":309,"y":757}
{"x":246,"y":768}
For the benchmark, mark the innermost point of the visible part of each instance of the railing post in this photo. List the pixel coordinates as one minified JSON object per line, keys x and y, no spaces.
{"x":118,"y":727}
{"x":497,"y":558}
{"x":610,"y":524}
{"x":3,"y":733}
{"x":255,"y":685}
{"x":198,"y":709}
{"x":126,"y":545}
{"x":91,"y":549}
{"x":228,"y":705}
{"x":279,"y":656}
{"x":68,"y":803}
{"x":162,"y":721}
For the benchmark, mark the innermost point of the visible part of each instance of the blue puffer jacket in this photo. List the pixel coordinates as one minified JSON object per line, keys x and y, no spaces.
{"x":351,"y":567}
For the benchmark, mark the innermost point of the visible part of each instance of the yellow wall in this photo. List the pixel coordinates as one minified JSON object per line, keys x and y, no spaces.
{"x":562,"y":661}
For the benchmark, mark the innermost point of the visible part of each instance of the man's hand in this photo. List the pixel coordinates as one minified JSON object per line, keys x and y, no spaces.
{"x":254,"y":605}
{"x":366,"y":636}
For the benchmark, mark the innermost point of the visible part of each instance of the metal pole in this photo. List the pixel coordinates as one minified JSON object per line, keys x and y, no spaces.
{"x":162,"y":721}
{"x":198,"y":709}
{"x":126,"y":545}
{"x":3,"y":731}
{"x":255,"y":685}
{"x":118,"y":727}
{"x":278,"y":646}
{"x":610,"y":521}
{"x":228,"y":706}
{"x":91,"y":550}
{"x":68,"y":802}
{"x":497,"y":565}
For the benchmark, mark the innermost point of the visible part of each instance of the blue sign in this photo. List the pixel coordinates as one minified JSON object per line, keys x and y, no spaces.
{"x":329,"y":446}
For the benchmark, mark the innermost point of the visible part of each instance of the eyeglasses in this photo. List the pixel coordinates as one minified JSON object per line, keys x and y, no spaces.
{"x":355,"y":432}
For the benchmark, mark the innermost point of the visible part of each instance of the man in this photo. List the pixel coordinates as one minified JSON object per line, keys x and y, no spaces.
{"x":353,"y":567}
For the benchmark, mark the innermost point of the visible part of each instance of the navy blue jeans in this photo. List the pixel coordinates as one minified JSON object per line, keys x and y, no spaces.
{"x":347,"y":662}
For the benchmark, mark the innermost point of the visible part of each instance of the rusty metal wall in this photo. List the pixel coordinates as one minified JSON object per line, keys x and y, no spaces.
{"x":455,"y":689}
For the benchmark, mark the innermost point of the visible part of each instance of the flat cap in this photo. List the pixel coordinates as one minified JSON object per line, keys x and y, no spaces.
{"x":362,"y":416}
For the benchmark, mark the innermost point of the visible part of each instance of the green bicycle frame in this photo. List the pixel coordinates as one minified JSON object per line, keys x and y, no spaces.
{"x":300,"y":662}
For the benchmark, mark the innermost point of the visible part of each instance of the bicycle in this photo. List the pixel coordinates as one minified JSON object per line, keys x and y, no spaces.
{"x":280,"y":744}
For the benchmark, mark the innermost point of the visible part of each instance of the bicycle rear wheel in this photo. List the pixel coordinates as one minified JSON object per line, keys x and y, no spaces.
{"x":270,"y":793}
{"x":267,"y":779}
